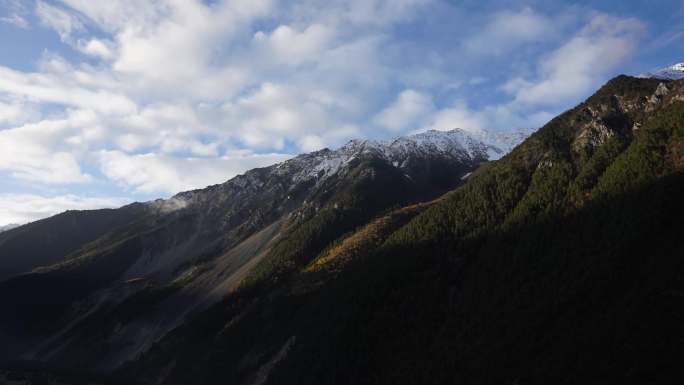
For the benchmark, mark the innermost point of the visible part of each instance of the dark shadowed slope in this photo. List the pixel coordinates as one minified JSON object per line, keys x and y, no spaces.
{"x":49,"y":240}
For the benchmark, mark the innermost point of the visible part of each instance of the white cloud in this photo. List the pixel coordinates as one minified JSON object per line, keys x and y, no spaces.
{"x":507,"y":30}
{"x":32,"y":152}
{"x":178,"y":45}
{"x":14,"y":13}
{"x":311,"y":143}
{"x":565,"y":75}
{"x":578,"y":65}
{"x":381,"y":11}
{"x":53,"y":88}
{"x":23,"y":208}
{"x":505,"y":116}
{"x":290,"y":46}
{"x":409,"y":108}
{"x":16,"y":111}
{"x":15,"y":20}
{"x":96,"y":47}
{"x":456,"y":116}
{"x":114,"y":14}
{"x":155,"y":173}
{"x":172,"y":128}
{"x":63,"y":22}
{"x":274,"y":113}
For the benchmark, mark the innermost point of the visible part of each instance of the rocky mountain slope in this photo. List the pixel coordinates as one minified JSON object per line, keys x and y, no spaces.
{"x":119,"y":280}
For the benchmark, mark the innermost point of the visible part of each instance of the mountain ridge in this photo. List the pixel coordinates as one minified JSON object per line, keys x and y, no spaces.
{"x":457,"y":143}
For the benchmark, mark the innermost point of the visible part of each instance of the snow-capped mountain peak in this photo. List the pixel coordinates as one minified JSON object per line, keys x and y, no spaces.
{"x":673,"y":72}
{"x":455,"y":144}
{"x":457,"y":147}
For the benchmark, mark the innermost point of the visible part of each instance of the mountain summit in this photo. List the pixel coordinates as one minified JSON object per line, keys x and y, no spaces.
{"x":457,"y":145}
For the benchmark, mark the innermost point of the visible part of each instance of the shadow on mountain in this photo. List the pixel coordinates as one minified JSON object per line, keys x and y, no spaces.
{"x":588,"y":298}
{"x":47,"y":241}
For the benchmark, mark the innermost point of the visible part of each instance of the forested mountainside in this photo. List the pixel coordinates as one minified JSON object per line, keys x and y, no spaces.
{"x":560,"y":263}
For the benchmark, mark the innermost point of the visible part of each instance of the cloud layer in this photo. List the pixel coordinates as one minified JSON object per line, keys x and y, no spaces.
{"x":143,"y":99}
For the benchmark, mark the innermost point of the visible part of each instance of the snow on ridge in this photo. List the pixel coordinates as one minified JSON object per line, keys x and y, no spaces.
{"x":456,"y":143}
{"x":165,"y":206}
{"x":672,"y":72}
{"x":503,"y":141}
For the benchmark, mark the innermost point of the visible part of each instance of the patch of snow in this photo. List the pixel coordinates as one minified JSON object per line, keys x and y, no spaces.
{"x":672,"y":72}
{"x":318,"y":166}
{"x":455,"y":143}
{"x":502,"y":142}
{"x":165,"y":206}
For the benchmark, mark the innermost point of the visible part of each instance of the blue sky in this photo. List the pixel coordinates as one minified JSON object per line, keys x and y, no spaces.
{"x":103,"y":103}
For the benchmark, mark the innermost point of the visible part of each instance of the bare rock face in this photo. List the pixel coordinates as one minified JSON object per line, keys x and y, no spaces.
{"x":621,"y":114}
{"x":661,"y":91}
{"x":593,"y":133}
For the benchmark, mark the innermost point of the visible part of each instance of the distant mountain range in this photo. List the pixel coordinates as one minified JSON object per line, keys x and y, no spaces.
{"x":672,"y":72}
{"x":436,"y":258}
